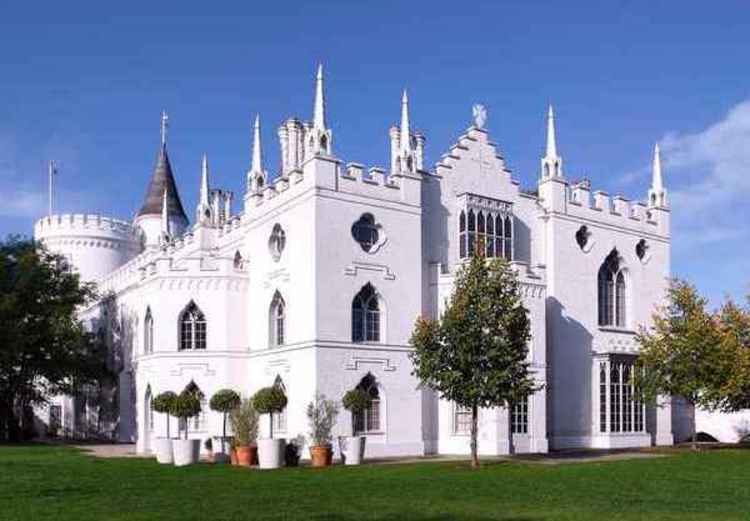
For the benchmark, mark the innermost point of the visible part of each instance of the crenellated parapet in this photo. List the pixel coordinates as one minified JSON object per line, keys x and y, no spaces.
{"x":94,"y":245}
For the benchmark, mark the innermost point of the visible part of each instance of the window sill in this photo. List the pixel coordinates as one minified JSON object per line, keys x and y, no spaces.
{"x":615,"y":329}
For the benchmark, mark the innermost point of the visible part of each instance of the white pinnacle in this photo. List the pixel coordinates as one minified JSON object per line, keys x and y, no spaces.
{"x":165,"y":215}
{"x":164,"y":124}
{"x":257,"y":164}
{"x":657,"y":184}
{"x":551,"y":141}
{"x":319,"y":115}
{"x":203,"y":197}
{"x":405,"y":132}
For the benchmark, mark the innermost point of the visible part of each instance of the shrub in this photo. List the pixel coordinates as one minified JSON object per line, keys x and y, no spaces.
{"x":321,"y":414}
{"x":269,"y":400}
{"x":244,"y":420}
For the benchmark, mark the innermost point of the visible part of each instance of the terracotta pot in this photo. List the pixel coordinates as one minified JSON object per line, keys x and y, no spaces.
{"x":244,"y":456}
{"x":321,"y":455}
{"x":233,"y":456}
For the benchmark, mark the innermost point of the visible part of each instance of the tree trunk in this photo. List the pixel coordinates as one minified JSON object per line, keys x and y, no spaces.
{"x":187,"y":421}
{"x":270,"y":424}
{"x":694,"y":440}
{"x":169,"y":437}
{"x":474,"y":429}
{"x":223,"y":433}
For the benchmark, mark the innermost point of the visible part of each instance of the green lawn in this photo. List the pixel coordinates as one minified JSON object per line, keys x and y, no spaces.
{"x":58,"y":483}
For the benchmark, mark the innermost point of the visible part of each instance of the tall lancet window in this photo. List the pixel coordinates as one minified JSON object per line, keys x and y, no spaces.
{"x":612,"y":292}
{"x":192,"y":328}
{"x":366,"y":316}
{"x":462,"y":235}
{"x":148,"y":333}
{"x":277,"y":317}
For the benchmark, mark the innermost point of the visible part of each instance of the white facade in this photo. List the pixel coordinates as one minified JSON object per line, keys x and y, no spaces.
{"x":305,"y":244}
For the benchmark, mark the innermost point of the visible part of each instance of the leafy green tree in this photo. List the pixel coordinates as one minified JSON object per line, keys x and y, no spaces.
{"x":269,"y":400}
{"x":224,"y":401}
{"x":44,"y":348}
{"x":681,"y":354}
{"x":164,"y":403}
{"x":476,"y":353}
{"x":734,"y":330}
{"x":187,"y":405}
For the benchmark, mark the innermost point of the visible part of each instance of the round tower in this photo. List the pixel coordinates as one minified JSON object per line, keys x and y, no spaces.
{"x":94,"y":245}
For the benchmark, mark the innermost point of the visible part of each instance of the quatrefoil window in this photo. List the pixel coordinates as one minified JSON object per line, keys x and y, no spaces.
{"x":368,"y":233}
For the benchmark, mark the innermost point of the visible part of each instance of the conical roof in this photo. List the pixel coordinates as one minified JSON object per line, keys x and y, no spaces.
{"x":161,"y":180}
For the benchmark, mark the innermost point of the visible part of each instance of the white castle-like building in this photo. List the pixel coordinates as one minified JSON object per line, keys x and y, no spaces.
{"x":316,"y":282}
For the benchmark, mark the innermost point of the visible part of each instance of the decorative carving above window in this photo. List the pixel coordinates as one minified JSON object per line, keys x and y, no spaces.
{"x":368,"y":233}
{"x":276,"y":242}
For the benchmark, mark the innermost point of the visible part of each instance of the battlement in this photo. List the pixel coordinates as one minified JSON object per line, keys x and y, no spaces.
{"x":327,"y":172}
{"x":84,"y":225}
{"x":581,"y":202}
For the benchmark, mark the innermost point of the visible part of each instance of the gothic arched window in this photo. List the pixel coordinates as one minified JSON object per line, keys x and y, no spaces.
{"x":508,"y":253}
{"x":472,"y":233}
{"x":192,"y":328}
{"x":612,"y":292}
{"x":366,"y":315}
{"x":277,"y":321}
{"x":279,"y":418}
{"x":369,"y":419}
{"x":462,"y":235}
{"x":148,"y":333}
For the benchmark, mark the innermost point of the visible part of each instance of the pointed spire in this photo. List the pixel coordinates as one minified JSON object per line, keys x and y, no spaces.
{"x":164,"y":124}
{"x":657,"y":184}
{"x":405,"y":131}
{"x":203,"y":197}
{"x":257,"y":164}
{"x":319,"y":115}
{"x":165,"y":228}
{"x":551,"y":141}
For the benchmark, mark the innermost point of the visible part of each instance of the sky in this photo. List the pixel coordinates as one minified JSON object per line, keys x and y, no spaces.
{"x":85,"y":83}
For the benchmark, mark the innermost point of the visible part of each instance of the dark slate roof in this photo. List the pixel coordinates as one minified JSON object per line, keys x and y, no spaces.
{"x":162,"y":178}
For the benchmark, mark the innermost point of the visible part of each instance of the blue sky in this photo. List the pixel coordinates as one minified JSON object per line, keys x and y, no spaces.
{"x":84,"y":84}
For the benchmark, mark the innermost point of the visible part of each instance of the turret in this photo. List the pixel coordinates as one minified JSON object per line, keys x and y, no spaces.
{"x":149,"y":217}
{"x":203,"y":212}
{"x":551,"y":162}
{"x":319,"y":136}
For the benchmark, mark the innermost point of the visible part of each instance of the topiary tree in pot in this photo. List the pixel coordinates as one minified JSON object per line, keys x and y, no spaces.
{"x":321,"y":413}
{"x":187,"y":405}
{"x":163,"y":403}
{"x":224,"y":401}
{"x":356,"y":401}
{"x":269,"y":400}
{"x":244,"y":420}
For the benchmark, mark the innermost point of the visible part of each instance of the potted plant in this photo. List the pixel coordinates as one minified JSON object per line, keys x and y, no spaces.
{"x":223,"y":401}
{"x":321,"y":413}
{"x":233,"y":451}
{"x":244,"y":421}
{"x":269,"y":400}
{"x":355,"y":401}
{"x":163,"y":446}
{"x":186,"y":406}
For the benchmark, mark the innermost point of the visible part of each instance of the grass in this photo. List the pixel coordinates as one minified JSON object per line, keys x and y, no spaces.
{"x":60,"y":483}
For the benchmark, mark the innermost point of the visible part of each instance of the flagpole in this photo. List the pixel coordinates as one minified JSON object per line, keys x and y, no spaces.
{"x":51,"y":172}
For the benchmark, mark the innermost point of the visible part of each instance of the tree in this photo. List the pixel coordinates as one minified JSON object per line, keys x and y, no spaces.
{"x":44,"y":349}
{"x":734,"y":332}
{"x":269,"y":400}
{"x":187,"y":405}
{"x":476,"y":353}
{"x":680,"y":354}
{"x":224,"y":401}
{"x":164,"y":403}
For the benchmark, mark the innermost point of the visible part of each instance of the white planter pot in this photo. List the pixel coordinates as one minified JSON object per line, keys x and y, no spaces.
{"x":186,"y":452}
{"x":354,"y":450}
{"x":163,"y":450}
{"x":271,"y":453}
